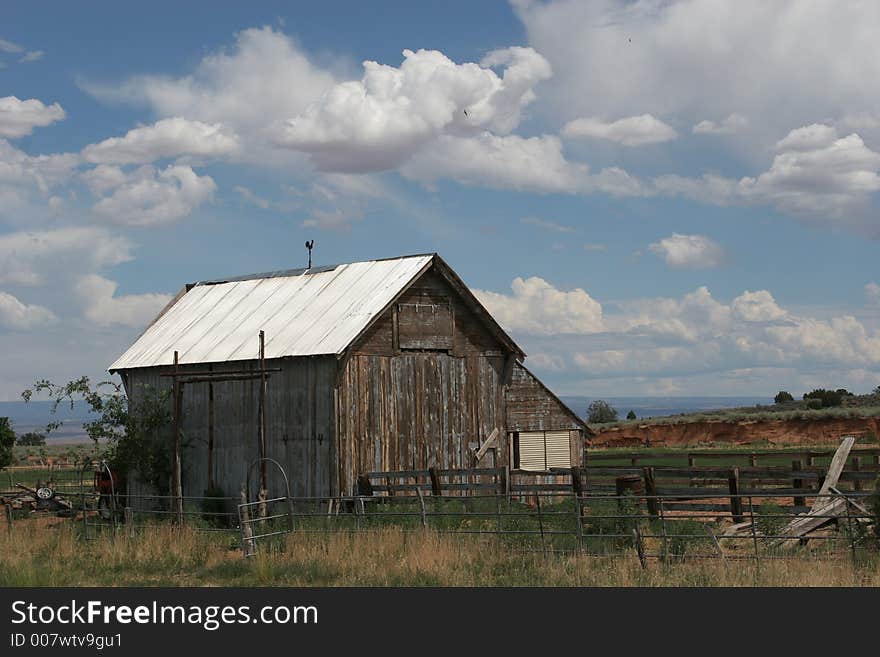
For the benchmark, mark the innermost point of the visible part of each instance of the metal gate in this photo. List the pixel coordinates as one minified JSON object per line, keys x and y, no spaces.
{"x":263,"y":518}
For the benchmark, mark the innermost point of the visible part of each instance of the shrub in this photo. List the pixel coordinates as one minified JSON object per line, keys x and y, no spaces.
{"x":600,"y":412}
{"x":7,"y":440}
{"x":828,"y":398}
{"x":631,"y":415}
{"x":31,"y":439}
{"x":783,"y":396}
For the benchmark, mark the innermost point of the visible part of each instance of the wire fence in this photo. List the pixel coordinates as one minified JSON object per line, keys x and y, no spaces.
{"x":656,"y":527}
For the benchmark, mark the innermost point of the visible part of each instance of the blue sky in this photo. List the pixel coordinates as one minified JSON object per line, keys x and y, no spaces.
{"x":654,"y":198}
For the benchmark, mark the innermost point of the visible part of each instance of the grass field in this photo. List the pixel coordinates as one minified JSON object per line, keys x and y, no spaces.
{"x":37,"y":556}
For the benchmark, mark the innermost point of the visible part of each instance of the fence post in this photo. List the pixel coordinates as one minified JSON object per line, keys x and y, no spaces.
{"x":754,"y":535}
{"x":8,"y":508}
{"x":422,"y":505}
{"x":435,"y":482}
{"x":692,"y":462}
{"x":640,"y":548}
{"x":797,"y":482}
{"x":651,"y":491}
{"x":856,"y":467}
{"x":753,"y":460}
{"x":541,"y":524}
{"x":247,"y":541}
{"x":364,"y":486}
{"x":852,"y":534}
{"x":736,"y":505}
{"x":663,"y":530}
{"x":129,"y":523}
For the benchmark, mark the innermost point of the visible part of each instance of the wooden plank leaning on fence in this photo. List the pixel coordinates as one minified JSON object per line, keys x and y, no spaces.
{"x":824,"y":509}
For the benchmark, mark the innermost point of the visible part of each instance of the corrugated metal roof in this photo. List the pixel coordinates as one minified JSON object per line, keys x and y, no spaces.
{"x":306,"y":312}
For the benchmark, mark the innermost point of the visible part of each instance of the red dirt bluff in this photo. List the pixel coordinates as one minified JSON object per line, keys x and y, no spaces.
{"x":739,"y":432}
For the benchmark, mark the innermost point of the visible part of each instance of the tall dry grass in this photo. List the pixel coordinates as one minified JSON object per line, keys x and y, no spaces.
{"x":35,"y":555}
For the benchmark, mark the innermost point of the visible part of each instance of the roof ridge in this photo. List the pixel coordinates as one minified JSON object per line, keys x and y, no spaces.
{"x":319,"y":269}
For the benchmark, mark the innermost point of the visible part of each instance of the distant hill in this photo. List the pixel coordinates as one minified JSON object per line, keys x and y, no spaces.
{"x":35,"y":415}
{"x":645,"y":407}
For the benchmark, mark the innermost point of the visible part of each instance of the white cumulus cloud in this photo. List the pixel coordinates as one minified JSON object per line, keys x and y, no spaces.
{"x":536,"y":307}
{"x":381,"y":120}
{"x":148,"y":197}
{"x":16,"y":315}
{"x":167,"y":138}
{"x":630,"y":131}
{"x":38,"y":257}
{"x":102,"y":307}
{"x":688,"y":251}
{"x":731,"y":124}
{"x":19,"y":117}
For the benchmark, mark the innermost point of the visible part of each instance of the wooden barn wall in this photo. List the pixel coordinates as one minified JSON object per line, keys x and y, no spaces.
{"x":417,"y":410}
{"x":300,"y":425}
{"x":405,"y":409}
{"x":530,"y":407}
{"x":470,"y":334}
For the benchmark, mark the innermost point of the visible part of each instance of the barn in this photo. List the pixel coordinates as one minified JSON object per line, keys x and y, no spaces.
{"x":388,"y":364}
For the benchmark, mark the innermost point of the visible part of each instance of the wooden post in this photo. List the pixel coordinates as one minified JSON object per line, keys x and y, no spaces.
{"x":364,"y":487}
{"x":8,"y":508}
{"x":541,"y":524}
{"x":211,"y":436}
{"x":753,"y":460}
{"x":422,"y":505}
{"x":264,"y":465}
{"x":247,"y":533}
{"x":692,"y":462}
{"x":651,"y":490}
{"x":576,"y":480}
{"x":176,"y":473}
{"x":640,"y":548}
{"x":797,"y":482}
{"x":856,"y":467}
{"x":736,"y":505}
{"x":634,"y":460}
{"x":435,"y":482}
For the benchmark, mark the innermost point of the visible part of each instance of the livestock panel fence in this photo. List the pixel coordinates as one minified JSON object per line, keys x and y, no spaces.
{"x":652,"y":509}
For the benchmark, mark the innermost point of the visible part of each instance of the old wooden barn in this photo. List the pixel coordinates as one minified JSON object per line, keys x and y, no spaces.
{"x":382,"y":365}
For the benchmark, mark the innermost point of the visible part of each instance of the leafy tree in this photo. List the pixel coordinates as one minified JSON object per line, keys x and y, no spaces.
{"x":827,"y":397}
{"x":31,"y":439}
{"x":783,"y":396}
{"x":7,"y":440}
{"x":600,"y":411}
{"x":631,"y":415}
{"x":130,"y":435}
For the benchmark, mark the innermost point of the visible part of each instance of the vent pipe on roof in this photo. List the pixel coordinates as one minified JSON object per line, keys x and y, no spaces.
{"x":309,"y":246}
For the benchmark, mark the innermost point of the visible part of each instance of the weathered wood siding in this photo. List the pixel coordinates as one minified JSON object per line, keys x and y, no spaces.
{"x":300,"y":425}
{"x":470,"y":335}
{"x":410,"y":408}
{"x":531,"y":406}
{"x":417,"y":410}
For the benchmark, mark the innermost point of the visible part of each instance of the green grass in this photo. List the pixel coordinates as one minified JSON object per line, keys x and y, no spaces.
{"x":35,"y":555}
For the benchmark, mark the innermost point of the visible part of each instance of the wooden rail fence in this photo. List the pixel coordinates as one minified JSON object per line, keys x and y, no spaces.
{"x":695,"y":488}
